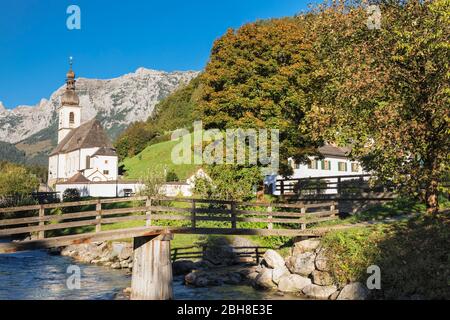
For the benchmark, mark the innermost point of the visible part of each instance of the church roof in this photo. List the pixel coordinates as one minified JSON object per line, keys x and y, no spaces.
{"x":77,"y":178}
{"x":104,"y":151}
{"x":88,"y":135}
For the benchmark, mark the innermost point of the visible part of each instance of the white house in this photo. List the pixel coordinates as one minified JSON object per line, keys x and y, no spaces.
{"x":335,"y":162}
{"x":85,"y":158}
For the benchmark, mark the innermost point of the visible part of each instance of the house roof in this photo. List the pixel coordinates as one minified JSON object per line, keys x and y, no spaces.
{"x":77,"y":178}
{"x":88,"y":135}
{"x":330,"y":150}
{"x":105,"y":151}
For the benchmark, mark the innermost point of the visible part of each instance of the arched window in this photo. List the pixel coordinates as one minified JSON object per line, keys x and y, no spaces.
{"x":71,"y":118}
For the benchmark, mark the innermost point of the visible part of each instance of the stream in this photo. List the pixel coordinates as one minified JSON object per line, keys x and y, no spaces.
{"x":38,"y":275}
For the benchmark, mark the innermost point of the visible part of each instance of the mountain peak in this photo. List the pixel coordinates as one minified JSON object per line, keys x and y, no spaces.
{"x":115,"y":102}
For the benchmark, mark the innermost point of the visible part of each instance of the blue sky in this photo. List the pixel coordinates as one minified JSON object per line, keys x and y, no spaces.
{"x":116,"y":37}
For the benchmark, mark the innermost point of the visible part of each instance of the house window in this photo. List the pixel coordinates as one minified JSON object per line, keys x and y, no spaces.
{"x":355,"y":167}
{"x":312,"y":164}
{"x":342,"y":166}
{"x":71,"y":118}
{"x":105,"y":172}
{"x":326,"y":165}
{"x":88,"y":162}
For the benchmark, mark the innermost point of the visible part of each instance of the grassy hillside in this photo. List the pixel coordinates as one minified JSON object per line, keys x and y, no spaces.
{"x":154,"y":156}
{"x":9,"y":152}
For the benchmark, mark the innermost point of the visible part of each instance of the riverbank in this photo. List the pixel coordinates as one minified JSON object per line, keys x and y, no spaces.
{"x":302,"y":275}
{"x":411,"y":256}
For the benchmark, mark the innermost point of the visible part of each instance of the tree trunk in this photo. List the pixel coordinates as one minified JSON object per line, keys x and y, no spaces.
{"x":431,"y":198}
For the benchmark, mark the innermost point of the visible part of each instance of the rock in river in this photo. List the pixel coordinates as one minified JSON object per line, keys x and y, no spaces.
{"x":302,"y":264}
{"x":273,"y":259}
{"x":354,"y":291}
{"x":319,"y":292}
{"x":293,"y":283}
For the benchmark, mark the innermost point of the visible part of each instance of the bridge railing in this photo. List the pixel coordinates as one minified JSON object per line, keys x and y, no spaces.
{"x":177,"y":214}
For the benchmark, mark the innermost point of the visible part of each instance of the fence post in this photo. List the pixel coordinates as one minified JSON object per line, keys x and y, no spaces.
{"x":41,"y":234}
{"x":204,"y":247}
{"x":233,"y":215}
{"x":270,"y":224}
{"x":148,"y":204}
{"x":257,"y":255}
{"x":339,"y":185}
{"x":193,"y":216}
{"x":98,"y":208}
{"x":333,"y":208}
{"x":303,"y":212}
{"x":282,"y":187}
{"x":174,"y":255}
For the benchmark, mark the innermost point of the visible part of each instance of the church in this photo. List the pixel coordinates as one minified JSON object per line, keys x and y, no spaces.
{"x":84,"y":158}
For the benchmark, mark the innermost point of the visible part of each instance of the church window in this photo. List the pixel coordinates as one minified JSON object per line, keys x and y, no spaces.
{"x":105,"y":172}
{"x":71,"y":118}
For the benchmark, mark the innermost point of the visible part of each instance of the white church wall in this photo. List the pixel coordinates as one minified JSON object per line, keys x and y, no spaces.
{"x":65,"y":125}
{"x":120,"y":189}
{"x":61,"y":166}
{"x":107,"y":165}
{"x":84,"y":153}
{"x":52,"y":167}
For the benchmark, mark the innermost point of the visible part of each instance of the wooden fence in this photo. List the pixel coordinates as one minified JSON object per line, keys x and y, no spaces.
{"x":179,"y":215}
{"x":200,"y":252}
{"x":350,"y":184}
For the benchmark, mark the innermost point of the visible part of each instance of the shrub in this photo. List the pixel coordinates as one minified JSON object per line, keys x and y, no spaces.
{"x":71,"y":195}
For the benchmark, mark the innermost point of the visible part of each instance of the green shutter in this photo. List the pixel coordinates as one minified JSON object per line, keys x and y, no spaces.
{"x":322,"y":164}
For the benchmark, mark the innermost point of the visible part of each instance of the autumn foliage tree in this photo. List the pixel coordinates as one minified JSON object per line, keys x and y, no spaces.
{"x":386,"y":91}
{"x":259,"y":77}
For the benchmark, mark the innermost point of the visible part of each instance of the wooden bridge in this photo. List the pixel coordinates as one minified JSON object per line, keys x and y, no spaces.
{"x":151,"y":222}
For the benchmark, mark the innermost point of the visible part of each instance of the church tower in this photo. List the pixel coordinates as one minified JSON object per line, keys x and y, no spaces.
{"x":70,"y":111}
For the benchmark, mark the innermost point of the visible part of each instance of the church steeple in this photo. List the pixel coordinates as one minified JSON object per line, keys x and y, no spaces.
{"x":70,"y":110}
{"x":70,"y":97}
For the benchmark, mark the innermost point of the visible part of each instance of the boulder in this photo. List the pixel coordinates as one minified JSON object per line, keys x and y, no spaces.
{"x":126,"y":252}
{"x":252,"y":276}
{"x":334,"y":295}
{"x":293,"y":283}
{"x":322,"y":278}
{"x":322,"y":261}
{"x":190,"y":278}
{"x":264,"y":279}
{"x":319,"y":292}
{"x":273,"y":259}
{"x":278,"y":272}
{"x":309,"y":245}
{"x":116,"y":265}
{"x":182,"y":267}
{"x":220,"y":255}
{"x":302,"y":264}
{"x":354,"y":291}
{"x":233,"y":278}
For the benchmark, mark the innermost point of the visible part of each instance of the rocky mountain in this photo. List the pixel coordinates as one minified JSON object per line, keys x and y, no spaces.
{"x":115,"y":102}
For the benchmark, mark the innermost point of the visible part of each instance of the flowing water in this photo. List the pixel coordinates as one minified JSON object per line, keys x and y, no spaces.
{"x":38,"y":275}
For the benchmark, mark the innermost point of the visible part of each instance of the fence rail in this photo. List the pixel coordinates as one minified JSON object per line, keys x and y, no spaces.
{"x":200,"y":252}
{"x":349,"y":184}
{"x":191,"y":216}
